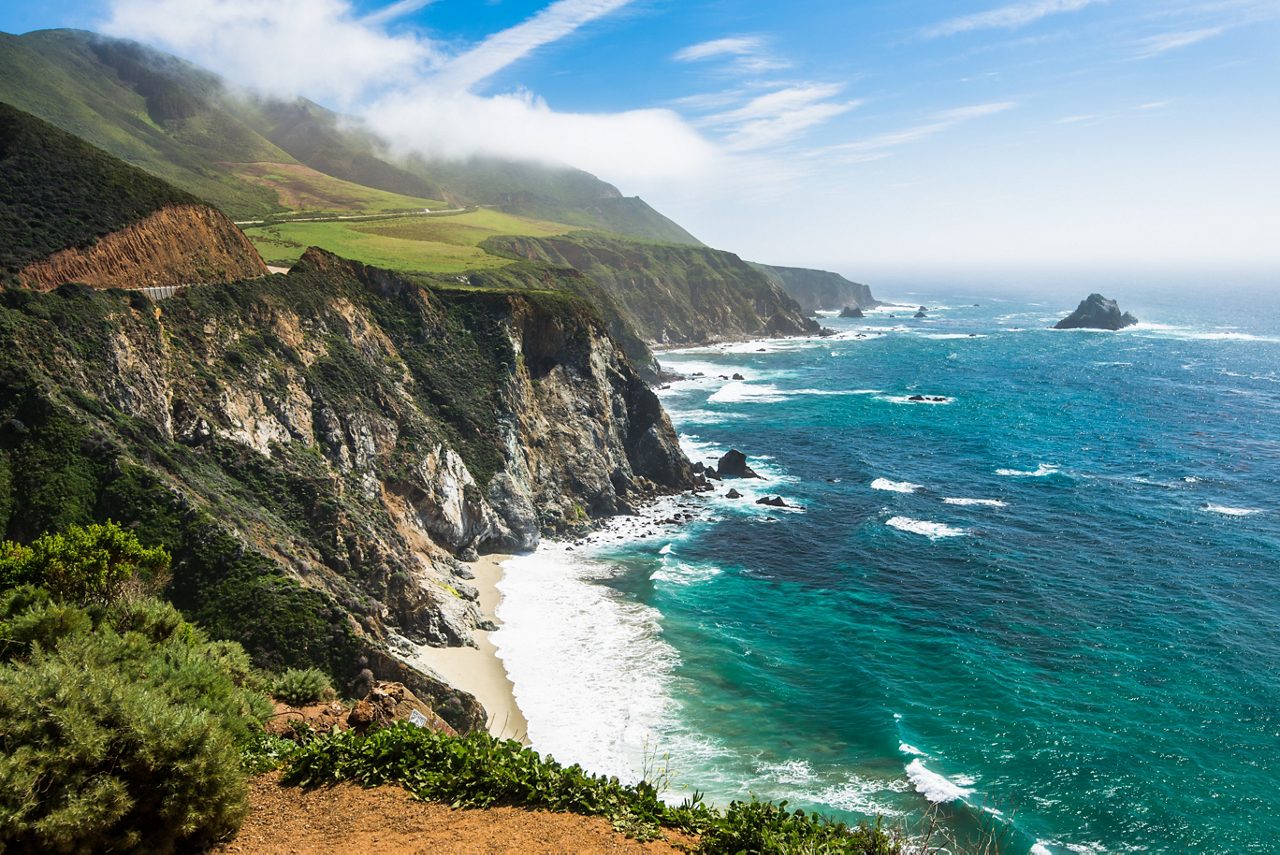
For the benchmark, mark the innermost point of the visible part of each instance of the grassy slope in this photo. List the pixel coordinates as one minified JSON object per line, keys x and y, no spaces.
{"x":303,"y":189}
{"x":58,"y":76}
{"x":443,"y":244}
{"x":58,"y":192}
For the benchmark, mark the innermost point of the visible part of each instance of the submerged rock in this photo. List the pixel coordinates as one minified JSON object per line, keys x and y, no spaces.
{"x":1096,"y":312}
{"x":772,"y":501}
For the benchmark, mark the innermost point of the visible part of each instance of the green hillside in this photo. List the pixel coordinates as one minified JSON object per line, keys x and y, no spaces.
{"x":159,"y":120}
{"x":59,"y":192}
{"x":183,"y":124}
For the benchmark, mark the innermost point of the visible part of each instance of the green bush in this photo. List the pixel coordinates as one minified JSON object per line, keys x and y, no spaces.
{"x":83,"y":565}
{"x":298,"y":687}
{"x":478,"y":770}
{"x":94,"y":759}
{"x":765,"y":827}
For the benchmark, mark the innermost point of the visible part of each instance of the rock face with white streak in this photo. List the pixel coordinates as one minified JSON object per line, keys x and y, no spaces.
{"x":356,"y":431}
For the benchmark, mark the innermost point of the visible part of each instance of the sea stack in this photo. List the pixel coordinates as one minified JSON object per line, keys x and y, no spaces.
{"x":851,"y":312}
{"x":1096,"y":312}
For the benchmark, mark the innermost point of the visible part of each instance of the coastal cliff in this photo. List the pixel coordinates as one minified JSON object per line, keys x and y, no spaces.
{"x":670,"y":294}
{"x":819,"y":289}
{"x":318,"y":451}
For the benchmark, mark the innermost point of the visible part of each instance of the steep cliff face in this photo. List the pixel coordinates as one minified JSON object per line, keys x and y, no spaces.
{"x":671,"y":294}
{"x":819,"y":289}
{"x":179,"y":245}
{"x":341,"y":433}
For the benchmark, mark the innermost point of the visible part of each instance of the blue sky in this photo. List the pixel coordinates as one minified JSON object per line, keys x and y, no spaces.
{"x":882,"y":139}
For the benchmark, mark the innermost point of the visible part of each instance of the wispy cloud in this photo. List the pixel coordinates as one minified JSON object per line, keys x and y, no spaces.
{"x":733,"y":46}
{"x":878,"y":146}
{"x":748,"y":54}
{"x":1165,"y":42}
{"x":395,"y":10}
{"x":1007,"y":17}
{"x":502,"y":49}
{"x":780,"y":116}
{"x":1075,"y":120}
{"x":1153,"y":105}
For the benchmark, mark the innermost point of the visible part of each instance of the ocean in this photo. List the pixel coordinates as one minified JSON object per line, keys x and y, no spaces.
{"x":1045,"y":607}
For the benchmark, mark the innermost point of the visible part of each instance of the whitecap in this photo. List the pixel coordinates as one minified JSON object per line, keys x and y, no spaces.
{"x":934,"y":787}
{"x":666,"y":550}
{"x":894,"y":486}
{"x":738,"y":392}
{"x":989,"y":503}
{"x":1232,"y":512}
{"x":931,"y":530}
{"x":949,"y":336}
{"x":680,"y":573}
{"x":912,"y":750}
{"x":1039,"y":472}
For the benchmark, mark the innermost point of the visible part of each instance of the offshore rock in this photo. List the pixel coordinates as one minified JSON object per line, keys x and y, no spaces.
{"x":851,"y":312}
{"x":734,"y":465}
{"x":1096,"y":312}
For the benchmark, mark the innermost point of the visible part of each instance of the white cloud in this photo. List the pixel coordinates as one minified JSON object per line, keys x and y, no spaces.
{"x":396,"y":10}
{"x":748,"y":54}
{"x":735,"y":46}
{"x":408,"y":88}
{"x":317,"y":47}
{"x":1075,"y":120}
{"x":1007,"y":17}
{"x":878,"y":146}
{"x":1165,"y":42}
{"x":776,"y":117}
{"x":502,"y":49}
{"x":633,"y":146}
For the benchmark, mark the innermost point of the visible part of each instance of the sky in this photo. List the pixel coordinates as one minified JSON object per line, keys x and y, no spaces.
{"x":968,"y":140}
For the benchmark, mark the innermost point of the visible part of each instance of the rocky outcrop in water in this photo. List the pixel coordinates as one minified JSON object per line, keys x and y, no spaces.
{"x":1096,"y":312}
{"x":851,"y":312}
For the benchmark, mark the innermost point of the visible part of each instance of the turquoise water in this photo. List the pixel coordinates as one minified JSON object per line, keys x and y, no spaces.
{"x":1049,"y":606}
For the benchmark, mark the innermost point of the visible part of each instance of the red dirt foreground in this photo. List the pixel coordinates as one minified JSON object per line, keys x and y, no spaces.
{"x":389,"y":821}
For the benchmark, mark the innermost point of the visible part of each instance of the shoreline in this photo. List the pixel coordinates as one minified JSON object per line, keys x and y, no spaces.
{"x":478,"y":670}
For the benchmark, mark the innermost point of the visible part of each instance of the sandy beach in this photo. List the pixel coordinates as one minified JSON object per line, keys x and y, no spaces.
{"x":480,"y":671}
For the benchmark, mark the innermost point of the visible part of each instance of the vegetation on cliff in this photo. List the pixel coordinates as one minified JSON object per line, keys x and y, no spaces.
{"x":667,"y":293}
{"x":57,"y":191}
{"x":818,"y":289}
{"x":121,"y":724}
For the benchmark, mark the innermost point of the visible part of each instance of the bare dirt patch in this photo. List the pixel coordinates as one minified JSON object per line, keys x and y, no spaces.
{"x":388,"y":820}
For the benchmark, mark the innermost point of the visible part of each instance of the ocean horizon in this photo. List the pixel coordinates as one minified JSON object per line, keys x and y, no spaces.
{"x":1041,"y":603}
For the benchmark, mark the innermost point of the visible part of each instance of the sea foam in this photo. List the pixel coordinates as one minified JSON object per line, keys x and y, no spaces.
{"x":989,"y":503}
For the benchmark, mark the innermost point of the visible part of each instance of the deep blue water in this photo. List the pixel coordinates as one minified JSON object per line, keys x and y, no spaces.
{"x":1087,"y":659}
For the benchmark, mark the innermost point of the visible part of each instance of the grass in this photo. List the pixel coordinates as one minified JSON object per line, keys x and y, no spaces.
{"x":418,"y":244}
{"x":302,"y":188}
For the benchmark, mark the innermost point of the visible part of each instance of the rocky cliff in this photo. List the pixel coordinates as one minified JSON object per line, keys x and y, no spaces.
{"x":671,"y":294}
{"x":320,"y":450}
{"x":178,"y":245}
{"x":819,"y":289}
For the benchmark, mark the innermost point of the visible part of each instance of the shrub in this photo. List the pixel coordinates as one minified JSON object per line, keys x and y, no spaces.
{"x":765,"y":827}
{"x":82,"y":565}
{"x":478,"y":770}
{"x":94,"y":759}
{"x":298,"y":687}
